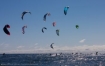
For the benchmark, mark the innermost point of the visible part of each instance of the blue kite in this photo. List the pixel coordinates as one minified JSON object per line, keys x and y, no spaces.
{"x":66,"y":9}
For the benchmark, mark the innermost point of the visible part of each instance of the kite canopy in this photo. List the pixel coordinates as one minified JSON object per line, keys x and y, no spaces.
{"x":54,"y":23}
{"x":52,"y":45}
{"x":6,"y":30}
{"x":77,"y":26}
{"x":57,"y":32}
{"x":24,"y":14}
{"x":66,"y":9}
{"x":23,"y":29}
{"x":44,"y":18}
{"x":43,"y":29}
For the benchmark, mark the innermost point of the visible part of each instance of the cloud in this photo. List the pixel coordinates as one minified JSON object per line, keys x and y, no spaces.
{"x":36,"y":44}
{"x":65,"y":49}
{"x":20,"y":47}
{"x":47,"y":49}
{"x":1,"y":44}
{"x":4,"y":45}
{"x":82,"y":41}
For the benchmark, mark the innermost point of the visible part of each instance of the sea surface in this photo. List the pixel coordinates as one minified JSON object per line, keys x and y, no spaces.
{"x":53,"y":59}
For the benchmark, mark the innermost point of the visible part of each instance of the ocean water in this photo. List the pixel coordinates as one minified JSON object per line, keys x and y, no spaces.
{"x":52,"y":60}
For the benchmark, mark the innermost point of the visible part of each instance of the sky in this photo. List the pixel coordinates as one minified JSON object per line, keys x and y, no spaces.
{"x":88,"y":14}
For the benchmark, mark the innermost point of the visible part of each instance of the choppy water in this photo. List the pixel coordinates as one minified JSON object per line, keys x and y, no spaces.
{"x":51,"y":60}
